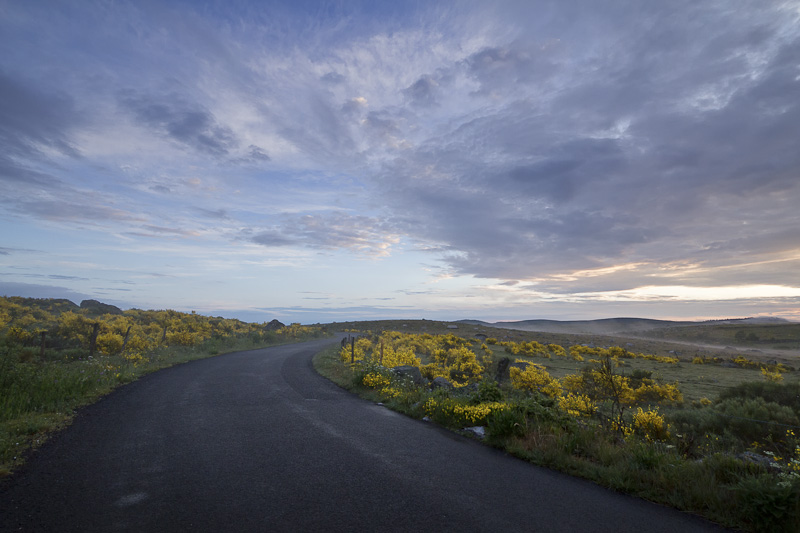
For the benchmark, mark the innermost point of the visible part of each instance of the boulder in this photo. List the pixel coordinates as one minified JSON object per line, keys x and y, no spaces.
{"x":441,"y":383}
{"x":411,"y":372}
{"x":274,"y":325}
{"x":504,"y":367}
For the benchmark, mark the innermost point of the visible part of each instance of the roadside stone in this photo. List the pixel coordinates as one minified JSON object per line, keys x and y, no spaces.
{"x":411,"y":372}
{"x":478,"y":431}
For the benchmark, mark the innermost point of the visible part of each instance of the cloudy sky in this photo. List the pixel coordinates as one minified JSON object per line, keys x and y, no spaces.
{"x":323,"y":161}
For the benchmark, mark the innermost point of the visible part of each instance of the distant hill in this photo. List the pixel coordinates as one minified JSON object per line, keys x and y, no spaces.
{"x":610,"y":326}
{"x":99,"y":308}
{"x":55,"y":306}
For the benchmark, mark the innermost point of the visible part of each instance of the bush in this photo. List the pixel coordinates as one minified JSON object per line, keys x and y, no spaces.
{"x":488,"y":391}
{"x":787,"y":394}
{"x":738,"y":423}
{"x":649,"y":425}
{"x":534,"y":379}
{"x":457,"y":413}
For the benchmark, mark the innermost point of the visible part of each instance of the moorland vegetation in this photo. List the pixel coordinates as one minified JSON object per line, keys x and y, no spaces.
{"x":56,"y":356}
{"x":715,"y":436}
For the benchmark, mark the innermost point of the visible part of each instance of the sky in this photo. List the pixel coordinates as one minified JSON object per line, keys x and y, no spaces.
{"x":330,"y":161}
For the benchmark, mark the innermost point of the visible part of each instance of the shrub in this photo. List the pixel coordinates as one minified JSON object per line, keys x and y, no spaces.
{"x":787,"y":394}
{"x":771,"y":376}
{"x":456,"y":413}
{"x":488,"y":391}
{"x":649,"y":425}
{"x":577,"y":404}
{"x":534,"y":378}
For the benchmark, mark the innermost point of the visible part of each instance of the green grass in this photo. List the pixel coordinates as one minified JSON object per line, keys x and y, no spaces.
{"x":774,"y":336}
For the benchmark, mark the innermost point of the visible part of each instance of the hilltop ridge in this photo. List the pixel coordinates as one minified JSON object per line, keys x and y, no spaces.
{"x":611,"y":326}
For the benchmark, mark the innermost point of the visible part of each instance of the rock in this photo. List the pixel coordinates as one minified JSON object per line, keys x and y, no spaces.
{"x":274,"y":325}
{"x":478,"y":431}
{"x":411,"y":372}
{"x":441,"y":383}
{"x":504,"y":367}
{"x":757,"y":458}
{"x":465,"y":391}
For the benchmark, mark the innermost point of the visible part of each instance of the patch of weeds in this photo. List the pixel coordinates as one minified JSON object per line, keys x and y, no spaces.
{"x":767,"y":504}
{"x":506,"y":423}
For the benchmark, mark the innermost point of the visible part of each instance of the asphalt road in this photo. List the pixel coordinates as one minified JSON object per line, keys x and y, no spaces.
{"x":257,"y":441}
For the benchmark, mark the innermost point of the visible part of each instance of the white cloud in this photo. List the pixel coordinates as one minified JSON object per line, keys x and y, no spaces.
{"x":576,"y":148}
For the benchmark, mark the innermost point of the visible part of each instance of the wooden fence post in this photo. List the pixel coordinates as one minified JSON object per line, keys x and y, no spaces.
{"x":41,"y":353}
{"x":352,"y":350}
{"x":125,"y":340}
{"x":93,"y":338}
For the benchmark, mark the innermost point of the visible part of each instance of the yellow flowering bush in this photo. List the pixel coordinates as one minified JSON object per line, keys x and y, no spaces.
{"x":600,"y":384}
{"x":375,"y":380}
{"x":402,"y":355}
{"x":771,"y":376}
{"x":557,"y":350}
{"x":450,"y":356}
{"x":572,"y":383}
{"x":534,"y":378}
{"x":451,"y":412}
{"x":649,"y":424}
{"x":109,"y":343}
{"x":650,"y":391}
{"x":529,"y":349}
{"x":577,"y":404}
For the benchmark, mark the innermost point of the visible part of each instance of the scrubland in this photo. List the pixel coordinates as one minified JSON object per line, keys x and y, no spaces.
{"x":56,"y":357}
{"x":712,"y":433}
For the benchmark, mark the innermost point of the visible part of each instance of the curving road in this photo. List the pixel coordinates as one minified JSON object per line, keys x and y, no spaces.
{"x":257,"y":441}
